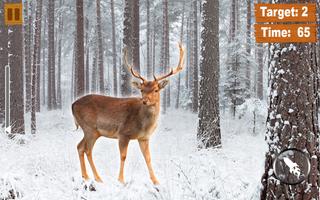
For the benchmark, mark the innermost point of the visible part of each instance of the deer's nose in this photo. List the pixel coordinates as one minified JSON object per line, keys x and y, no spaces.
{"x":145,"y":100}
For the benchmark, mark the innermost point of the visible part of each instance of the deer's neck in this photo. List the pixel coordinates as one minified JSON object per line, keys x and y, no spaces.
{"x":150,"y":112}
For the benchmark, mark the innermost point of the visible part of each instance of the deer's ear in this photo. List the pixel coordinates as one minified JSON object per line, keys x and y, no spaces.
{"x":163,"y":84}
{"x":136,"y":85}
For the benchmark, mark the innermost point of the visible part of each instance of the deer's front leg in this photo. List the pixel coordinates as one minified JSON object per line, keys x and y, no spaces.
{"x":144,"y":146}
{"x":123,"y":147}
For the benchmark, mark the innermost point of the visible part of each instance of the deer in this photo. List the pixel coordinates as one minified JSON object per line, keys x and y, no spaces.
{"x":125,"y":119}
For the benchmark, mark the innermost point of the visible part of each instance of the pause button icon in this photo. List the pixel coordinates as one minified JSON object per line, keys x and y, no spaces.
{"x":13,"y":13}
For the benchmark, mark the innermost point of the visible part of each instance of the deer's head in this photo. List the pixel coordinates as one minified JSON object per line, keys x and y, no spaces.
{"x":150,"y":90}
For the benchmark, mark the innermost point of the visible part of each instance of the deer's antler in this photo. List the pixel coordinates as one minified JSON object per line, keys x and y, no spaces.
{"x":130,"y":68}
{"x":177,"y":69}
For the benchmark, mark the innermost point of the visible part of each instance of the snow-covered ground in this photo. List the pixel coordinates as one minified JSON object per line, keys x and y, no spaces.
{"x":46,"y":167}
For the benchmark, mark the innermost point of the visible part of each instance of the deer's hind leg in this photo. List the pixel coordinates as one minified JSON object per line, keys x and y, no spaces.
{"x":81,"y":149}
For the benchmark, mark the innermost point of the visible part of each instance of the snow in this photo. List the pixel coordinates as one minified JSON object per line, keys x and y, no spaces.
{"x":47,"y":167}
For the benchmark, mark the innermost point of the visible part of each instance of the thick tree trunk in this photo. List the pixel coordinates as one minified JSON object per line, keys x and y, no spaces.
{"x":60,"y":31}
{"x":248,"y":46}
{"x":52,"y":100}
{"x":114,"y":51}
{"x":3,"y":59}
{"x":87,"y":67}
{"x":100,"y":49}
{"x":27,"y":30}
{"x":125,"y":83}
{"x":195,"y":58}
{"x":136,"y":35}
{"x":181,"y":41}
{"x":149,"y":66}
{"x":35,"y":65}
{"x":209,"y":118}
{"x":79,"y":62}
{"x":16,"y":78}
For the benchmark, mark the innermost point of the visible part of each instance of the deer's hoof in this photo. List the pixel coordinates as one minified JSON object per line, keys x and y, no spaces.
{"x":99,"y":180}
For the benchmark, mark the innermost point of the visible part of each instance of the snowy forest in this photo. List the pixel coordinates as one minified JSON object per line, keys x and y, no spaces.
{"x":185,"y":75}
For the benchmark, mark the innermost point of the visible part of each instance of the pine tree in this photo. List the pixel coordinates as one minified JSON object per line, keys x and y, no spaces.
{"x":125,"y":81}
{"x":100,"y":48}
{"x":195,"y":87}
{"x":209,"y":118}
{"x":15,"y":38}
{"x":114,"y":51}
{"x":3,"y":59}
{"x":79,"y":62}
{"x":35,"y":65}
{"x":60,"y":35}
{"x":52,"y":100}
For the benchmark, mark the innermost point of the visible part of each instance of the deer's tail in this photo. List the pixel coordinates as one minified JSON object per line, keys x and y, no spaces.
{"x":75,"y":120}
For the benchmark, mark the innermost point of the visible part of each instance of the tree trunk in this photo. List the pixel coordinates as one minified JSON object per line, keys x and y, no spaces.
{"x":27,"y":51}
{"x":248,"y":47}
{"x":195,"y":58}
{"x":136,"y":35}
{"x":125,"y":84}
{"x":79,"y":62}
{"x":181,"y":41}
{"x":209,"y":118}
{"x":164,"y":43}
{"x":87,"y":72}
{"x":292,"y":118}
{"x":100,"y":49}
{"x":3,"y":59}
{"x":52,"y":100}
{"x":60,"y":31}
{"x":149,"y":66}
{"x":16,"y":78}
{"x":114,"y":51}
{"x":35,"y":65}
{"x":45,"y":46}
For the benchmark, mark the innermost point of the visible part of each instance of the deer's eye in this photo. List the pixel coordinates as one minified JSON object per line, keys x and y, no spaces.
{"x":156,"y":90}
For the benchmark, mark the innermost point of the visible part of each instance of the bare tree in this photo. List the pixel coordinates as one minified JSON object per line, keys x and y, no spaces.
{"x":79,"y":62}
{"x":87,"y":67}
{"x":195,"y":58}
{"x":149,"y":66}
{"x":3,"y":59}
{"x":52,"y":100}
{"x":136,"y":35}
{"x":181,"y":41}
{"x":35,"y":65}
{"x":60,"y":32}
{"x":100,"y":48}
{"x":16,"y":70}
{"x":248,"y":46}
{"x":125,"y":83}
{"x":209,"y":118}
{"x":27,"y":34}
{"x":114,"y":51}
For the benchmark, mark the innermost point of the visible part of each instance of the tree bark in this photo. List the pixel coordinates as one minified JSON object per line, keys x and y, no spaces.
{"x":136,"y":35}
{"x":195,"y":58}
{"x":209,"y":118}
{"x":125,"y":84}
{"x":35,"y":66}
{"x":60,"y":31}
{"x":16,"y":70}
{"x":52,"y":100}
{"x":3,"y":60}
{"x":181,"y":41}
{"x":79,"y":62}
{"x":114,"y":51}
{"x":100,"y":49}
{"x":149,"y":66}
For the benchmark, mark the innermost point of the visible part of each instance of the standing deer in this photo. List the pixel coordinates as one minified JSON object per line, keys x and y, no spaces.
{"x":124,"y":119}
